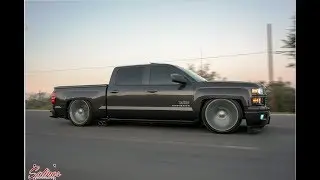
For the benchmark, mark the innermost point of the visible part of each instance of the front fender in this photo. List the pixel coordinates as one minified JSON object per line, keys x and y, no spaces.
{"x":203,"y":94}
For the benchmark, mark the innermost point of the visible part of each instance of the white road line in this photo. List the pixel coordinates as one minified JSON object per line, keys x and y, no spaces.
{"x":139,"y":140}
{"x":242,"y":147}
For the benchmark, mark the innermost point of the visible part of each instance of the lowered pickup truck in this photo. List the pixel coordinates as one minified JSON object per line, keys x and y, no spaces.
{"x":164,"y":92}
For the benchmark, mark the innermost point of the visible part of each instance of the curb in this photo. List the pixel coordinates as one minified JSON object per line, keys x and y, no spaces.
{"x":36,"y":110}
{"x":283,"y":114}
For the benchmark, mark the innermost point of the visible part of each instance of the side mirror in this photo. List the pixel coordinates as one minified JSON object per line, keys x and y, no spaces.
{"x":178,"y":78}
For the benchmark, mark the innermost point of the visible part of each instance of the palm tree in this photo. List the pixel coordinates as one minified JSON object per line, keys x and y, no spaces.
{"x":290,"y":43}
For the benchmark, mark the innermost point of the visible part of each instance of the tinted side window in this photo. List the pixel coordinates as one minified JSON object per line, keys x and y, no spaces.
{"x":129,"y":76}
{"x":161,"y":75}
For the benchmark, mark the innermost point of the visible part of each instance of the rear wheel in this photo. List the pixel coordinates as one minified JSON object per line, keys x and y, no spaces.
{"x":222,"y":115}
{"x":80,"y":112}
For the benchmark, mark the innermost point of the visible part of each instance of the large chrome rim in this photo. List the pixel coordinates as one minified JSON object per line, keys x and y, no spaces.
{"x":221,"y":114}
{"x":79,"y":111}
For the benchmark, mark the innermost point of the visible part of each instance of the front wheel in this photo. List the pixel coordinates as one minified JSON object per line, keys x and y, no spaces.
{"x":80,"y":112}
{"x":222,"y":115}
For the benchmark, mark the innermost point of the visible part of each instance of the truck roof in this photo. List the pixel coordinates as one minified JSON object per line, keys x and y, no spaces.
{"x":137,"y":65}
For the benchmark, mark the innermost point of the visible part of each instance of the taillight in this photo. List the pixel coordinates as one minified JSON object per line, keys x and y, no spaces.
{"x":53,"y":97}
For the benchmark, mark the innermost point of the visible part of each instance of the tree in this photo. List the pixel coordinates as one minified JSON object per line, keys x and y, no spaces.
{"x":205,"y":72}
{"x":40,"y":100}
{"x":262,"y":82}
{"x":282,"y":96}
{"x":290,"y":43}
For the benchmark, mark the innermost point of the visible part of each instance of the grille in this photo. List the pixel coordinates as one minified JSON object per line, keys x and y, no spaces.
{"x":264,"y":101}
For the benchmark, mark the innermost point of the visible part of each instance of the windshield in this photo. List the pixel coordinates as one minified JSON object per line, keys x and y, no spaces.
{"x":193,"y":75}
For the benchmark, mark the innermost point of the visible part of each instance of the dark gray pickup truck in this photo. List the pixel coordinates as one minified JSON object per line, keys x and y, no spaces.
{"x":164,"y":92}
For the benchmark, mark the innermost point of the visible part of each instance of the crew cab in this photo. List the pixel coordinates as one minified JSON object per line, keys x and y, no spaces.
{"x":166,"y":93}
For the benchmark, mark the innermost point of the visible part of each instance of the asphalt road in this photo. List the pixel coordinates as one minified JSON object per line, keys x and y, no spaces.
{"x":126,"y":151}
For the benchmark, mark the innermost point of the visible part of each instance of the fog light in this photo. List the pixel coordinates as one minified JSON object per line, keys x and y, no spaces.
{"x":262,"y":117}
{"x":257,"y":100}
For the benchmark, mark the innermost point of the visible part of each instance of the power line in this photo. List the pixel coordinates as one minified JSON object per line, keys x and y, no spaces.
{"x":215,"y":57}
{"x":174,"y":60}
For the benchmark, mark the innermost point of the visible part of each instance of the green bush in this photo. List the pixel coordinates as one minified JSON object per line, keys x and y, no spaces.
{"x":281,"y":97}
{"x":39,"y":101}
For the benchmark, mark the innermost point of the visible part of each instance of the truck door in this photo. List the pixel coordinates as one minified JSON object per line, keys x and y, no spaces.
{"x":126,"y":92}
{"x":168,"y":100}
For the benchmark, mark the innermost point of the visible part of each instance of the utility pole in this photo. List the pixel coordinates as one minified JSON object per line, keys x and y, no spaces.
{"x":270,"y":65}
{"x":201,"y":59}
{"x":270,"y":52}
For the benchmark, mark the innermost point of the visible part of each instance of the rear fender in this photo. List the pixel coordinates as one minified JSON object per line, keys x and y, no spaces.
{"x":95,"y":98}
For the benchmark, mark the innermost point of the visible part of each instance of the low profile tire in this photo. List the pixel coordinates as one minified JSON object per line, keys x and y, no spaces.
{"x":222,"y":115}
{"x":80,"y":112}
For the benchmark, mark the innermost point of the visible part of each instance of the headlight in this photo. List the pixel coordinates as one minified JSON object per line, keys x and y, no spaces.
{"x":258,"y":91}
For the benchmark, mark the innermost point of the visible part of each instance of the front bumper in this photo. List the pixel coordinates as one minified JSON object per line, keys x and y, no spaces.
{"x":257,"y":116}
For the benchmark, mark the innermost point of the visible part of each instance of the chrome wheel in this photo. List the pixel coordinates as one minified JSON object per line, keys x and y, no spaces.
{"x":222,"y":115}
{"x":79,"y":112}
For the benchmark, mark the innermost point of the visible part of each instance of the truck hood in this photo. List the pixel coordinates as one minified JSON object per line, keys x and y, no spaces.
{"x":229,"y":84}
